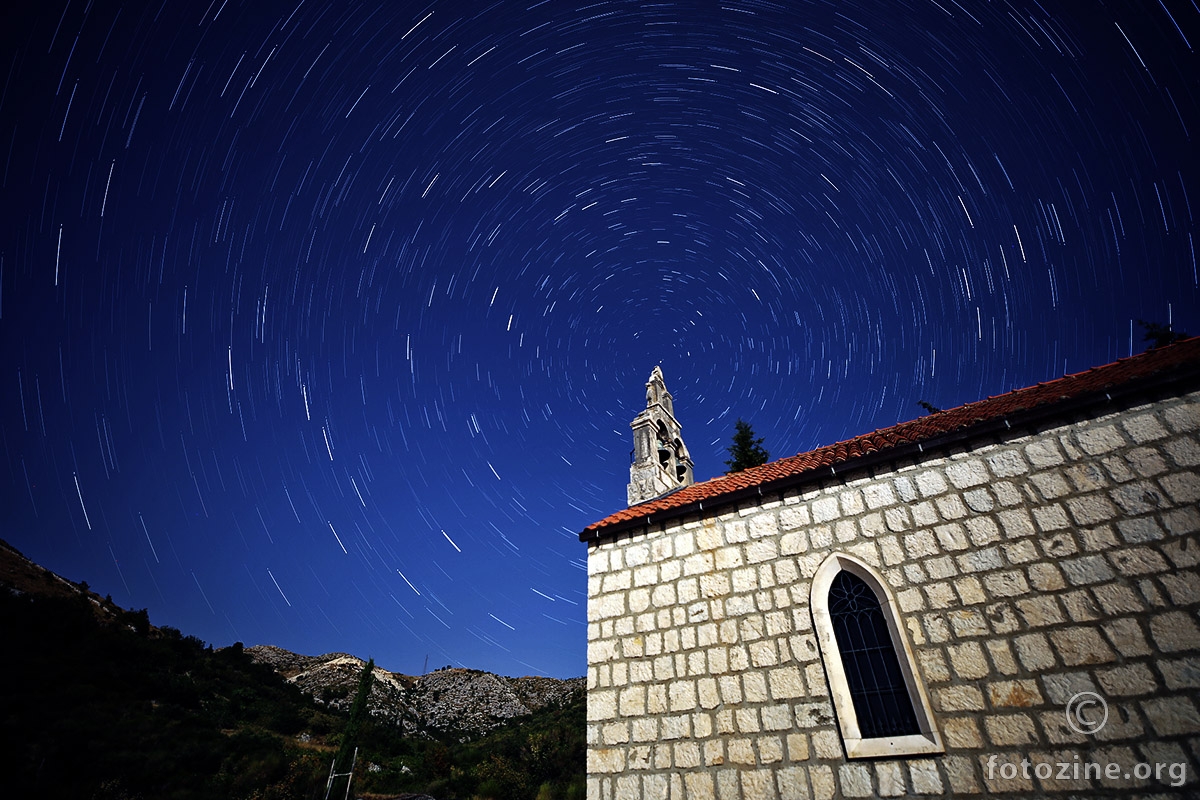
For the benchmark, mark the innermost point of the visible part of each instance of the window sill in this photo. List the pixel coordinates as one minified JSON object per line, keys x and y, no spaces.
{"x":917,"y":744}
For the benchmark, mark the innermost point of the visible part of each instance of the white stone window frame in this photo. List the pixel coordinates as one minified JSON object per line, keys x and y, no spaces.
{"x":924,"y":743}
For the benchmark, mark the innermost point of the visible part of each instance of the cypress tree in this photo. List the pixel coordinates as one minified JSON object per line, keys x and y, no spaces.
{"x":358,"y":716}
{"x":746,"y":451}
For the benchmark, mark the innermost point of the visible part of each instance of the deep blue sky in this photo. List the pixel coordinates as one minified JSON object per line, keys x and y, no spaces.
{"x":322,"y":324}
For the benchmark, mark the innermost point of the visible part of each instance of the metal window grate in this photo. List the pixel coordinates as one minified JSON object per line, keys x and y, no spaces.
{"x":876,"y":683}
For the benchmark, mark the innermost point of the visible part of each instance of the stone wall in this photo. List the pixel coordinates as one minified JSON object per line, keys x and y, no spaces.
{"x":1026,"y":570}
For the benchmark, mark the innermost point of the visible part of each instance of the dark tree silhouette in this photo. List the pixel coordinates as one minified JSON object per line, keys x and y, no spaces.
{"x":1159,"y":335}
{"x":930,"y":408}
{"x":746,"y":451}
{"x":358,"y":717}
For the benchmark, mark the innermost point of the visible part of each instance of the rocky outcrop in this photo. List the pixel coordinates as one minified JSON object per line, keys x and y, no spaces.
{"x":450,"y":700}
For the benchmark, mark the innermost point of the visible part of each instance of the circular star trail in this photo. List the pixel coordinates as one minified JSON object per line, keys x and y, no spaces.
{"x":322,"y":325}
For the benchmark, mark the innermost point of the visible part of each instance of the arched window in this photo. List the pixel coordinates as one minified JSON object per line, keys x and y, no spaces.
{"x":881,"y":704}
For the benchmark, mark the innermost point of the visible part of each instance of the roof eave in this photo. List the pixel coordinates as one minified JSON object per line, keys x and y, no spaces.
{"x":1017,"y":419}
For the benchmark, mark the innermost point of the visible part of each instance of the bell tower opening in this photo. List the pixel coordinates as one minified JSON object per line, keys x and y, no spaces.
{"x":661,"y":462}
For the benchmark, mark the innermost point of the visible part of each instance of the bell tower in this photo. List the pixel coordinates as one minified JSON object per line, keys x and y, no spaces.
{"x":660,"y":462}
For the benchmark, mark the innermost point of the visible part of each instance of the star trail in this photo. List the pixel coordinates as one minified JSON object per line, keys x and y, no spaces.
{"x":322,"y":324}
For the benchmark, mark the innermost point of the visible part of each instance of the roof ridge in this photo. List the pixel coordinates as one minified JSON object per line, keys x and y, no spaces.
{"x":1041,"y":398}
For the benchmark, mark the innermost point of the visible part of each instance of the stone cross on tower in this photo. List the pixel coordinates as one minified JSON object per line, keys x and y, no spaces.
{"x":660,"y":460}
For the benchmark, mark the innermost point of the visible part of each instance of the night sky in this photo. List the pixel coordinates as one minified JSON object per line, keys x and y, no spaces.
{"x":322,"y":324}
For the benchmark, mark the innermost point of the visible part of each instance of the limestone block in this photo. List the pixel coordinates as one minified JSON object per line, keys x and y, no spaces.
{"x":1011,"y":729}
{"x":970,"y":591}
{"x":1002,"y":656}
{"x":762,"y":550}
{"x":1002,"y":617}
{"x":770,"y":750}
{"x":931,"y":483}
{"x":1086,"y":477}
{"x":729,"y":558}
{"x":797,"y":747}
{"x":1095,"y":509}
{"x":736,"y":532}
{"x":794,"y":543}
{"x":1127,"y":637}
{"x":728,"y":785}
{"x":966,"y":474}
{"x":1172,"y":716}
{"x":855,"y":780}
{"x":1079,"y":606}
{"x":967,"y":661}
{"x":1118,"y":470}
{"x":1076,"y":646}
{"x":825,"y":509}
{"x":924,"y":514}
{"x":1044,"y":453}
{"x":924,"y":776}
{"x":827,"y":744}
{"x":1184,"y":452}
{"x":979,"y":500}
{"x":1016,"y":523}
{"x":1101,"y":439}
{"x":1007,"y":464}
{"x":879,"y":495}
{"x":1182,"y":521}
{"x":763,"y":525}
{"x":628,"y":787}
{"x":794,"y":517}
{"x":1006,"y":584}
{"x":1138,"y":561}
{"x":941,"y":568}
{"x":1143,"y":428}
{"x":1014,"y":694}
{"x":777,"y":718}
{"x":1059,"y":545}
{"x":676,"y":727}
{"x":1174,"y":632}
{"x":632,"y":701}
{"x":605,"y":760}
{"x":940,"y":595}
{"x":897,"y":519}
{"x":698,"y":786}
{"x":741,"y":751}
{"x":1086,"y":570}
{"x":687,"y":755}
{"x":952,"y":536}
{"x":821,"y":779}
{"x":960,"y":772}
{"x":1033,"y":651}
{"x":920,"y":544}
{"x":967,"y":622}
{"x":1118,"y":599}
{"x":1181,"y":673}
{"x":958,"y":698}
{"x":1183,"y":487}
{"x":962,"y":732}
{"x":982,"y":531}
{"x":614,"y":733}
{"x":763,"y":654}
{"x":1147,"y":462}
{"x":1183,"y":418}
{"x":1183,"y":588}
{"x":1050,"y":485}
{"x":890,"y":778}
{"x":785,"y":683}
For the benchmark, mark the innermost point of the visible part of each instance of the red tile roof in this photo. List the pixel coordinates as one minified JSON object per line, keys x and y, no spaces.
{"x":1176,"y":362}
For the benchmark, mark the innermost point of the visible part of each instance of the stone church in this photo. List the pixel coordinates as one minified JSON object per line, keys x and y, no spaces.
{"x":998,"y":599}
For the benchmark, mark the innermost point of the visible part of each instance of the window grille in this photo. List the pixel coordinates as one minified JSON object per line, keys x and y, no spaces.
{"x":876,"y":683}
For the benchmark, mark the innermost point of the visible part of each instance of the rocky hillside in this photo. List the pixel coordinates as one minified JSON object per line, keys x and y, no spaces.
{"x":446,"y":700}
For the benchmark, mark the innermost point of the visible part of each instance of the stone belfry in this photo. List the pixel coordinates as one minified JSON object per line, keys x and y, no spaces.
{"x":661,"y":462}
